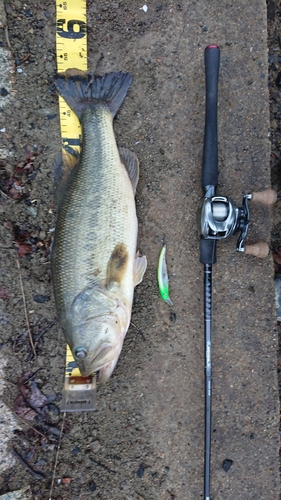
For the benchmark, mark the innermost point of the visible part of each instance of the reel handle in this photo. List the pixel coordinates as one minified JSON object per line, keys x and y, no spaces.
{"x":260,"y":250}
{"x":267,"y":197}
{"x":210,"y":150}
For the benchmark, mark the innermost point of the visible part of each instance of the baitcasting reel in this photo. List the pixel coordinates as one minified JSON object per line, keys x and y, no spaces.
{"x":219,"y":218}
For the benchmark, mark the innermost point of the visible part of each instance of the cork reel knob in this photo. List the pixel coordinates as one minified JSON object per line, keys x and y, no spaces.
{"x":260,"y":250}
{"x":267,"y":197}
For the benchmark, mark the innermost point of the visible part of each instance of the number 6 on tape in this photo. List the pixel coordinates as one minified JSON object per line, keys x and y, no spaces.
{"x":71,"y":47}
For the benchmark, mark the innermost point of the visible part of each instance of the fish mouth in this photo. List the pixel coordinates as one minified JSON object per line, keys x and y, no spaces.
{"x":103,"y":361}
{"x":106,"y":371}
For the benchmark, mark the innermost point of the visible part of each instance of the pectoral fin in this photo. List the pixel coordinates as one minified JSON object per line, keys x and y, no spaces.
{"x":140,"y":265}
{"x":117,"y":265}
{"x":131,"y":163}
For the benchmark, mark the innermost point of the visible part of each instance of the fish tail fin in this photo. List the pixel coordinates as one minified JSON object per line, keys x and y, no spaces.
{"x":82,"y":90}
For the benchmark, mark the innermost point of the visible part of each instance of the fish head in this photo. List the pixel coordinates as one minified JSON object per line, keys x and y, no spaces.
{"x":97,"y":334}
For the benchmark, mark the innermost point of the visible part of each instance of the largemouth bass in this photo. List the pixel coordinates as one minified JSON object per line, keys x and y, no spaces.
{"x":94,"y":262}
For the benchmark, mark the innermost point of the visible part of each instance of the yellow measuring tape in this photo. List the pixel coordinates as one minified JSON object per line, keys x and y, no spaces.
{"x":79,"y":393}
{"x":71,"y":44}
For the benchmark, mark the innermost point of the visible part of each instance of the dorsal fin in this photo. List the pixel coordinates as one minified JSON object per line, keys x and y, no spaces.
{"x":131,"y":163}
{"x":63,"y":166}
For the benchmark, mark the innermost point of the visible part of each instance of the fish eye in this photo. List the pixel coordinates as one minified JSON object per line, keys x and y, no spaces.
{"x":80,"y":353}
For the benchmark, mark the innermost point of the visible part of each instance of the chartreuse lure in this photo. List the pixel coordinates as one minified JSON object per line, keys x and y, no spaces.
{"x":163,"y":281}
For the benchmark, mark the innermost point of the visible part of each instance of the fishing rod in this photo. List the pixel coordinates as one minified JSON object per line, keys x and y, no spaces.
{"x":218,"y":218}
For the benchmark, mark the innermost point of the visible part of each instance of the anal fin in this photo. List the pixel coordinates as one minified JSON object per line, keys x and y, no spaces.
{"x":140,"y":265}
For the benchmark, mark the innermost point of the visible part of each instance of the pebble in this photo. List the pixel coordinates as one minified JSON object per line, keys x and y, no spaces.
{"x":92,"y":486}
{"x":173,"y":317}
{"x":40,"y":299}
{"x":42,"y":235}
{"x":40,"y":24}
{"x":227,"y":464}
{"x":271,"y":58}
{"x":140,"y":471}
{"x":32,"y":211}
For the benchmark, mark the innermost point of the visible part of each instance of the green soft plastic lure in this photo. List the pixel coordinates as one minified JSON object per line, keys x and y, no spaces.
{"x":163,"y":281}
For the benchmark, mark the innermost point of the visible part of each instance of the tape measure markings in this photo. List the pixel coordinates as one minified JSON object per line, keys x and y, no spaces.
{"x":71,"y":49}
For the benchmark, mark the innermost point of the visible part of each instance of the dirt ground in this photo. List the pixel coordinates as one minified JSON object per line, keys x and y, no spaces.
{"x":146,"y":441}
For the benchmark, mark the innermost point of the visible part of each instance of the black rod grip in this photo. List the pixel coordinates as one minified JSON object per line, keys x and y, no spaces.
{"x":210,"y":151}
{"x":208,"y":253}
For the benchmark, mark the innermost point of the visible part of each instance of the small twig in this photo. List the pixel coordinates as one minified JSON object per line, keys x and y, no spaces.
{"x":30,"y":426}
{"x":25,"y":309}
{"x":32,"y":376}
{"x":7,"y":37}
{"x":57,"y":457}
{"x":139,"y":330}
{"x":48,"y":327}
{"x":37,"y":474}
{"x":102,"y":465}
{"x":25,"y":58}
